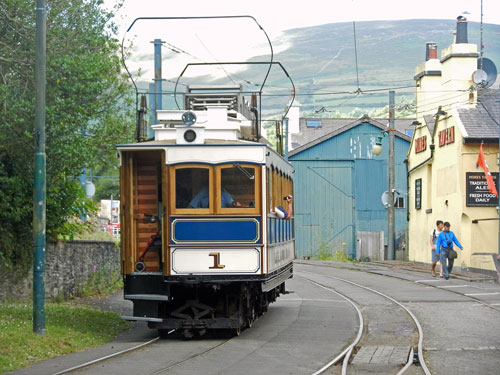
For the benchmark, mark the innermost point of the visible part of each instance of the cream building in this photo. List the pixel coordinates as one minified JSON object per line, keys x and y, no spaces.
{"x":455,"y":115}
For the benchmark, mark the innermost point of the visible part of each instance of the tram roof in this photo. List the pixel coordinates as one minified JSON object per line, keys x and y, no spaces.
{"x":208,"y":142}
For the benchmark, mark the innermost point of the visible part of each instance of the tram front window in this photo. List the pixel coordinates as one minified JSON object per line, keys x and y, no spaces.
{"x":237,"y":186}
{"x":191,"y":188}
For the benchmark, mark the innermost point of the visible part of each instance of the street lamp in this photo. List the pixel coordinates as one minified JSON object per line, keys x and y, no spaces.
{"x":377,"y":149}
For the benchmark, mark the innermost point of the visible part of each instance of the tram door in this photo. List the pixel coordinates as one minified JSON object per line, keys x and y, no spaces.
{"x":141,"y":201}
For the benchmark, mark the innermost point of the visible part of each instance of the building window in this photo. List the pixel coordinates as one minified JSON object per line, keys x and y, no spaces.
{"x":399,"y":202}
{"x":313,"y":123}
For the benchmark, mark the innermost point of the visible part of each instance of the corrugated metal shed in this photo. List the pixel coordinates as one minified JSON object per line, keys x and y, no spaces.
{"x":338,"y":183}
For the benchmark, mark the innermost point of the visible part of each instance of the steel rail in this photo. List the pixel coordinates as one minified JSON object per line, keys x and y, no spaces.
{"x":190,"y":358}
{"x":414,"y":318}
{"x":86,"y":364}
{"x":347,"y":351}
{"x":477,"y":300}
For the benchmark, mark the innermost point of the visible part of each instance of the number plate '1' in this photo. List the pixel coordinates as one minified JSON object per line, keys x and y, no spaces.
{"x":217,"y":265}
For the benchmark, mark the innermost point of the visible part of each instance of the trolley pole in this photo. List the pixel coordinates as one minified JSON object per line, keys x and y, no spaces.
{"x":39,"y":194}
{"x":286,"y":137}
{"x":390,"y":211}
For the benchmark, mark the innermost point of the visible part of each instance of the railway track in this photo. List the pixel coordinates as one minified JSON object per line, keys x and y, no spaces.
{"x":454,"y":289}
{"x":375,"y":311}
{"x":106,"y":357}
{"x":88,"y":365}
{"x":347,"y":355}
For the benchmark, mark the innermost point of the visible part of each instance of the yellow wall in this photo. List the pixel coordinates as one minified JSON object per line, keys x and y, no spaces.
{"x":444,"y":198}
{"x":444,"y":176}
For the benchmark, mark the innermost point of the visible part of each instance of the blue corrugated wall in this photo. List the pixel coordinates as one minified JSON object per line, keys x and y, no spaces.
{"x":337,"y":187}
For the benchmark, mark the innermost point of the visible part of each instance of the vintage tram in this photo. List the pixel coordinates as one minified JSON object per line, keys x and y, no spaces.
{"x":204,"y":245}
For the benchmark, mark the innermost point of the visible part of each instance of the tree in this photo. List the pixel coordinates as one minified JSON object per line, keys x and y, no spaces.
{"x":88,"y":111}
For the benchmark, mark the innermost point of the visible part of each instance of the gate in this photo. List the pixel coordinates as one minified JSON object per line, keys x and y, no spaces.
{"x":370,"y":246}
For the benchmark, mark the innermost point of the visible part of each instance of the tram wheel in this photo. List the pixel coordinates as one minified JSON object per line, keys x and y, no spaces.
{"x":236,"y":331}
{"x":187,"y":334}
{"x":251,"y":318}
{"x":163,"y":333}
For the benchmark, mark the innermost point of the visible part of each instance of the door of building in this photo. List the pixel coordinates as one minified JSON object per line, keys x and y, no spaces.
{"x":324,"y":208}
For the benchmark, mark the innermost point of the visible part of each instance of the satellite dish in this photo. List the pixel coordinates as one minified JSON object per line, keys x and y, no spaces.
{"x":385,"y":199}
{"x":490,"y":69}
{"x":89,"y":189}
{"x":479,"y":77}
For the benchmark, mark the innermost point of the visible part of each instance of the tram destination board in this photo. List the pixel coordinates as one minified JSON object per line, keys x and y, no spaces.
{"x":478,"y":194}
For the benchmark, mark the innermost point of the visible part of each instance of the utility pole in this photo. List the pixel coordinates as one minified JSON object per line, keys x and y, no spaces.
{"x":157,"y":83}
{"x":39,"y":193}
{"x":390,"y":211}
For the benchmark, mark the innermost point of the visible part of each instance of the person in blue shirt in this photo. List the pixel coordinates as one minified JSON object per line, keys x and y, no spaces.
{"x":201,"y":200}
{"x":444,"y":243}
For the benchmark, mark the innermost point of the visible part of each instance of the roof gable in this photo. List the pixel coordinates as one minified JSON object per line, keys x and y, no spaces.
{"x":343,"y":129}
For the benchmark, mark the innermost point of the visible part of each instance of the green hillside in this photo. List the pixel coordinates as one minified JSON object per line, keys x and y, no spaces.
{"x":321,"y":62}
{"x":321,"y":59}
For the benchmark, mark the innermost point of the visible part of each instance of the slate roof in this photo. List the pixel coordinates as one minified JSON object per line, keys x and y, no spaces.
{"x":481,"y":121}
{"x":329,"y":125}
{"x":333,"y":131}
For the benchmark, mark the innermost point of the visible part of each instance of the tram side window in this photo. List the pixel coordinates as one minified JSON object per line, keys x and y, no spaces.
{"x":191,"y":190}
{"x":237,"y":186}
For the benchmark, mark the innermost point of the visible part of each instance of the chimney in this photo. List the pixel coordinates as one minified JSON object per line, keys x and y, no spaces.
{"x":461,"y":30}
{"x":431,"y":51}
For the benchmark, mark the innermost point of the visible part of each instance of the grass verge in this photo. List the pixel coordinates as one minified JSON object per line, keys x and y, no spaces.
{"x":338,"y":256}
{"x":69,"y":328}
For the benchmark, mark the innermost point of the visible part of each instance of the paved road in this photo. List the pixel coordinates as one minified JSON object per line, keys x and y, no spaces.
{"x":306,"y":328}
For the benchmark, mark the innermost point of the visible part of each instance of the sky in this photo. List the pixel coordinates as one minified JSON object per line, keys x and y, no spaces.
{"x":279,"y":15}
{"x":274,"y":16}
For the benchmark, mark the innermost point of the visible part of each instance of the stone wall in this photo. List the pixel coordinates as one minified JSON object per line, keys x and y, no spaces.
{"x":68,"y":267}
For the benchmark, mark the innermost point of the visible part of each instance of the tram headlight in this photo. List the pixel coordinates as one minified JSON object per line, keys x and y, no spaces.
{"x":189,"y":135}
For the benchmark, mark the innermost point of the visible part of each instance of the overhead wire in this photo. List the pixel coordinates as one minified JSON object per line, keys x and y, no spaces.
{"x":221,"y":66}
{"x":356,"y":55}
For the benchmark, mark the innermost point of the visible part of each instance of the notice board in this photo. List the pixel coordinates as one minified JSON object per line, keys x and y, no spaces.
{"x":477,"y":193}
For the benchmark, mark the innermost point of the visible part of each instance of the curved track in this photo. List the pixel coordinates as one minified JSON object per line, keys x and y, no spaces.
{"x":303,"y":330}
{"x":347,"y":353}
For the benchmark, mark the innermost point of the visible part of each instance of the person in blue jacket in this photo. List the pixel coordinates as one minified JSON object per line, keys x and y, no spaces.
{"x":444,"y":243}
{"x":201,"y":200}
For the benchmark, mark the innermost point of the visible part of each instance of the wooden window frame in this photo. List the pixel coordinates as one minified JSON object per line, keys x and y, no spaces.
{"x":256,"y":210}
{"x":191,"y":211}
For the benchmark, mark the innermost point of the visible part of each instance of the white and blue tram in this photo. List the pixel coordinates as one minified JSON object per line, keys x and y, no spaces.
{"x":202,"y":244}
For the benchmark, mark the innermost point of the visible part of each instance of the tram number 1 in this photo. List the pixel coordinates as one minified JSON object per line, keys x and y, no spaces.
{"x":217,"y":265}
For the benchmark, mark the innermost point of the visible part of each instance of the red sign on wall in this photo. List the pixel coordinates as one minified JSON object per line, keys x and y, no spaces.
{"x":420,"y":144}
{"x":446,"y":136}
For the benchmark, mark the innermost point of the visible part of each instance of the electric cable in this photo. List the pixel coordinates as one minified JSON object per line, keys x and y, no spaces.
{"x":356,"y":55}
